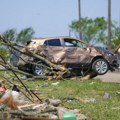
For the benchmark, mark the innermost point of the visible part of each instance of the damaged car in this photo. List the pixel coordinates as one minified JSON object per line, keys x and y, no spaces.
{"x":76,"y":55}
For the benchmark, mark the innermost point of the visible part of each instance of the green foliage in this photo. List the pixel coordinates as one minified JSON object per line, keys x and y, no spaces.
{"x":10,"y":34}
{"x":94,"y":30}
{"x":21,"y":37}
{"x":25,"y":35}
{"x":116,"y":37}
{"x":3,"y":52}
{"x":116,"y":41}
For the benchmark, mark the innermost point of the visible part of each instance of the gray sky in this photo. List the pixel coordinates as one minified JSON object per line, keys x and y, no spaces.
{"x":51,"y":17}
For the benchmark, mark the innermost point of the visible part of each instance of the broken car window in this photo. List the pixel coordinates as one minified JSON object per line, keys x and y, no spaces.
{"x":73,"y":43}
{"x":52,"y":42}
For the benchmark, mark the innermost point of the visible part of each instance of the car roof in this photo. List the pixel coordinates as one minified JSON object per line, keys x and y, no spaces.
{"x":41,"y":40}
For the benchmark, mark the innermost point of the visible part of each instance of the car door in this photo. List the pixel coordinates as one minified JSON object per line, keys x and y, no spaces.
{"x":76,"y":51}
{"x":54,"y":51}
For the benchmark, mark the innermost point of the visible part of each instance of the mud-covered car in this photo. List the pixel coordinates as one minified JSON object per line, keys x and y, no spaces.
{"x":74,"y":54}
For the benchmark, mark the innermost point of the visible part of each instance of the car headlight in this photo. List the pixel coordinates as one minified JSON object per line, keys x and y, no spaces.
{"x":109,"y":54}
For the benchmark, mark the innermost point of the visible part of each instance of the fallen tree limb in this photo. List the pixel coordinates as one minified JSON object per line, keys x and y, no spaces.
{"x":61,"y":70}
{"x":6,"y":66}
{"x":16,"y":76}
{"x":9,"y":81}
{"x":27,"y":52}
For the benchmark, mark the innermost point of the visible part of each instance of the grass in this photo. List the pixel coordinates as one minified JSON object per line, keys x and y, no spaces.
{"x":97,"y":107}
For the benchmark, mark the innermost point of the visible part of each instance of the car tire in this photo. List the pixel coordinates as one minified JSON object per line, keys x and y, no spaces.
{"x":39,"y":69}
{"x":100,"y":66}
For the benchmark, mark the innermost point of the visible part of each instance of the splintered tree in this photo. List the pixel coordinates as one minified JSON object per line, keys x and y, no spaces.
{"x":52,"y":71}
{"x":13,"y":45}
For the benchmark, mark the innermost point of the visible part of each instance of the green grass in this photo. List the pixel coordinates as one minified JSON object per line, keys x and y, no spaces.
{"x":99,"y":109}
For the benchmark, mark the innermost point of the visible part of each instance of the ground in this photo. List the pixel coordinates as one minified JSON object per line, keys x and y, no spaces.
{"x":113,"y":77}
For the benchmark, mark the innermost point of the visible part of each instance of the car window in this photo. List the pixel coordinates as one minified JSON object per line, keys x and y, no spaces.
{"x":73,"y":43}
{"x":52,"y":42}
{"x":82,"y":45}
{"x":28,"y":42}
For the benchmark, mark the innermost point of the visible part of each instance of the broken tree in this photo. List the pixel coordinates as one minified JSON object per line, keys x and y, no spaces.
{"x":33,"y":61}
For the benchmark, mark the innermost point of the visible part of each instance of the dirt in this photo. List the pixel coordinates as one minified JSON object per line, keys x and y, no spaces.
{"x":113,"y":77}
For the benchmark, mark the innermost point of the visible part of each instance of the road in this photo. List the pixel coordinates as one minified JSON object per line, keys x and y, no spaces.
{"x":113,"y":77}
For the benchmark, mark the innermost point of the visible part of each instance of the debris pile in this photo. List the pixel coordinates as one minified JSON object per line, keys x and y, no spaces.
{"x":18,"y":101}
{"x":20,"y":107}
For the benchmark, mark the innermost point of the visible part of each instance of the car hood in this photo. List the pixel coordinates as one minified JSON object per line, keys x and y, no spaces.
{"x":104,"y":51}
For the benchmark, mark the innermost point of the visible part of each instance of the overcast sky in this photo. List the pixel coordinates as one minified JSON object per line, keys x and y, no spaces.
{"x":51,"y":17}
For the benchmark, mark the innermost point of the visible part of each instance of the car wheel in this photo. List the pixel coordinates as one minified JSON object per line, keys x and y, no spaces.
{"x":40,"y":69}
{"x":100,"y":66}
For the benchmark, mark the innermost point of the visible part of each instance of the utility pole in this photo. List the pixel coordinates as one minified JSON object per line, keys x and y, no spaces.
{"x":109,"y":24}
{"x":79,"y":15}
{"x":119,"y":18}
